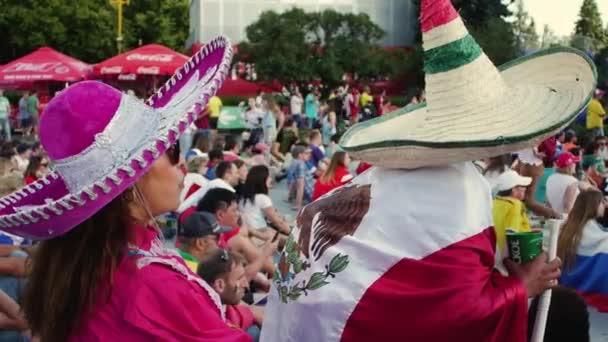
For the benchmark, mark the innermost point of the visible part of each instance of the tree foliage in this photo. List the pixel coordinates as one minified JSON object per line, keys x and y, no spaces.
{"x":298,"y":46}
{"x":157,"y":21}
{"x":549,"y":38}
{"x":524,"y":29}
{"x":589,"y":23}
{"x":601,"y":62}
{"x":86,"y":29}
{"x":80,"y":28}
{"x":476,"y":13}
{"x":497,"y":40}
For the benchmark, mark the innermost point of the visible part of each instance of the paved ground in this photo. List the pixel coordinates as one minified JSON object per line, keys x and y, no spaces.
{"x":599,"y":326}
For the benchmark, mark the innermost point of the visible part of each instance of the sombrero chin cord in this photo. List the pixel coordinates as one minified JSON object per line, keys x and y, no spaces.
{"x":142,"y":201}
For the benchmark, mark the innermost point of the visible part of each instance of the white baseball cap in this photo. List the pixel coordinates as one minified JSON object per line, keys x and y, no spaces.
{"x":510,"y":179}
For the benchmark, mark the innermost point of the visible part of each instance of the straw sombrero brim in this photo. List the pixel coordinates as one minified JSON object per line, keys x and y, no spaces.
{"x":55,"y":204}
{"x":545,"y":92}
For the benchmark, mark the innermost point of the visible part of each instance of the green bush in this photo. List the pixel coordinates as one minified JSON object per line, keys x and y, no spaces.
{"x":233,"y":100}
{"x":12,"y":96}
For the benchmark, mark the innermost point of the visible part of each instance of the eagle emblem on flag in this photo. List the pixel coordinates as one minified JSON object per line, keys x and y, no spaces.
{"x":321,"y":224}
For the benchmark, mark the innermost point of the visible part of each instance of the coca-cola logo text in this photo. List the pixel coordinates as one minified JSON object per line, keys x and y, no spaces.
{"x":56,"y":67}
{"x":111,"y":70}
{"x":148,"y":70}
{"x":160,"y":57}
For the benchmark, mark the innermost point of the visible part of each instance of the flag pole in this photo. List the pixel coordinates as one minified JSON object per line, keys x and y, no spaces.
{"x":542,"y":311}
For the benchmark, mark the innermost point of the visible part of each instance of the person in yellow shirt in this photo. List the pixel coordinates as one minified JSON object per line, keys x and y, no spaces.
{"x":365,"y":97}
{"x":595,"y":115}
{"x":214,"y":106}
{"x":509,"y":210}
{"x":198,"y":234}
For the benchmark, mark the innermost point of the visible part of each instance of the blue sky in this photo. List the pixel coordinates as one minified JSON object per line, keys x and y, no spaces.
{"x":560,"y":15}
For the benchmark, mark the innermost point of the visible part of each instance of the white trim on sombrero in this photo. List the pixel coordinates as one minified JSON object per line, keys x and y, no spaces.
{"x":444,"y":34}
{"x":112,"y":146}
{"x":89,"y":193}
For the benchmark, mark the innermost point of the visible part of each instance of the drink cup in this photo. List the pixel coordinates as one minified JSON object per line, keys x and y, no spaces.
{"x":524,"y":247}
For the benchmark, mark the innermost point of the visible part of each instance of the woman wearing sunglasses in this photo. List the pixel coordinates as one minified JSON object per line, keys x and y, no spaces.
{"x":101,"y":272}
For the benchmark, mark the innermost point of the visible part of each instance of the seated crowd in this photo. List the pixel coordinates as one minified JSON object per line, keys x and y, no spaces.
{"x":229,"y":231}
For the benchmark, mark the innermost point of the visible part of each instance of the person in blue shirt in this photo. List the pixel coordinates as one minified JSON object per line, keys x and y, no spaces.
{"x":215,"y":157}
{"x":312,"y":108}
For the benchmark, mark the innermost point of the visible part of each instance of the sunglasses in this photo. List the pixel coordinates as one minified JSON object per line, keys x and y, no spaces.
{"x":173,"y":153}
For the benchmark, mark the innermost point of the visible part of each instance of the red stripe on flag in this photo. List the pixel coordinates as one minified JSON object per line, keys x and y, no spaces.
{"x":453,"y":295}
{"x":435,"y":13}
{"x":597,"y":300}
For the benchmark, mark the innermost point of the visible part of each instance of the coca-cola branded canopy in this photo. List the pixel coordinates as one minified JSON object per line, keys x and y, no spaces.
{"x":152,"y":59}
{"x":44,"y":64}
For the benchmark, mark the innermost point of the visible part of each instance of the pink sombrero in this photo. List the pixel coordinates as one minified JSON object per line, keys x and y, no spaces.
{"x":101,"y":141}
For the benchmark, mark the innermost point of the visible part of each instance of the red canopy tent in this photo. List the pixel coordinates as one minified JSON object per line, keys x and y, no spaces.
{"x":241,"y":87}
{"x":151,"y":59}
{"x":44,"y":64}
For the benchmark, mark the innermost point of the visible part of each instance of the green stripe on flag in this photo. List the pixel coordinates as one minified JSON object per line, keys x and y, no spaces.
{"x":451,"y":56}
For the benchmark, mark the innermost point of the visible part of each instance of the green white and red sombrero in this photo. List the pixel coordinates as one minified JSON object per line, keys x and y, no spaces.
{"x":473,"y":109}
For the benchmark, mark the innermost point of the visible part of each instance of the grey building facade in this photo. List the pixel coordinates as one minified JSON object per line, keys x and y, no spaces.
{"x":209,"y":18}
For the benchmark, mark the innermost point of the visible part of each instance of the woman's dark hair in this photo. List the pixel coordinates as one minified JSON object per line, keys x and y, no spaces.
{"x":499,"y":163}
{"x":255,"y":183}
{"x":32,"y":167}
{"x":72,"y":273}
{"x":201,"y":142}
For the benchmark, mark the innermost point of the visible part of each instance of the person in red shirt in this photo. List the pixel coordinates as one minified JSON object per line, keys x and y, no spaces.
{"x":37,"y":168}
{"x":336,"y":175}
